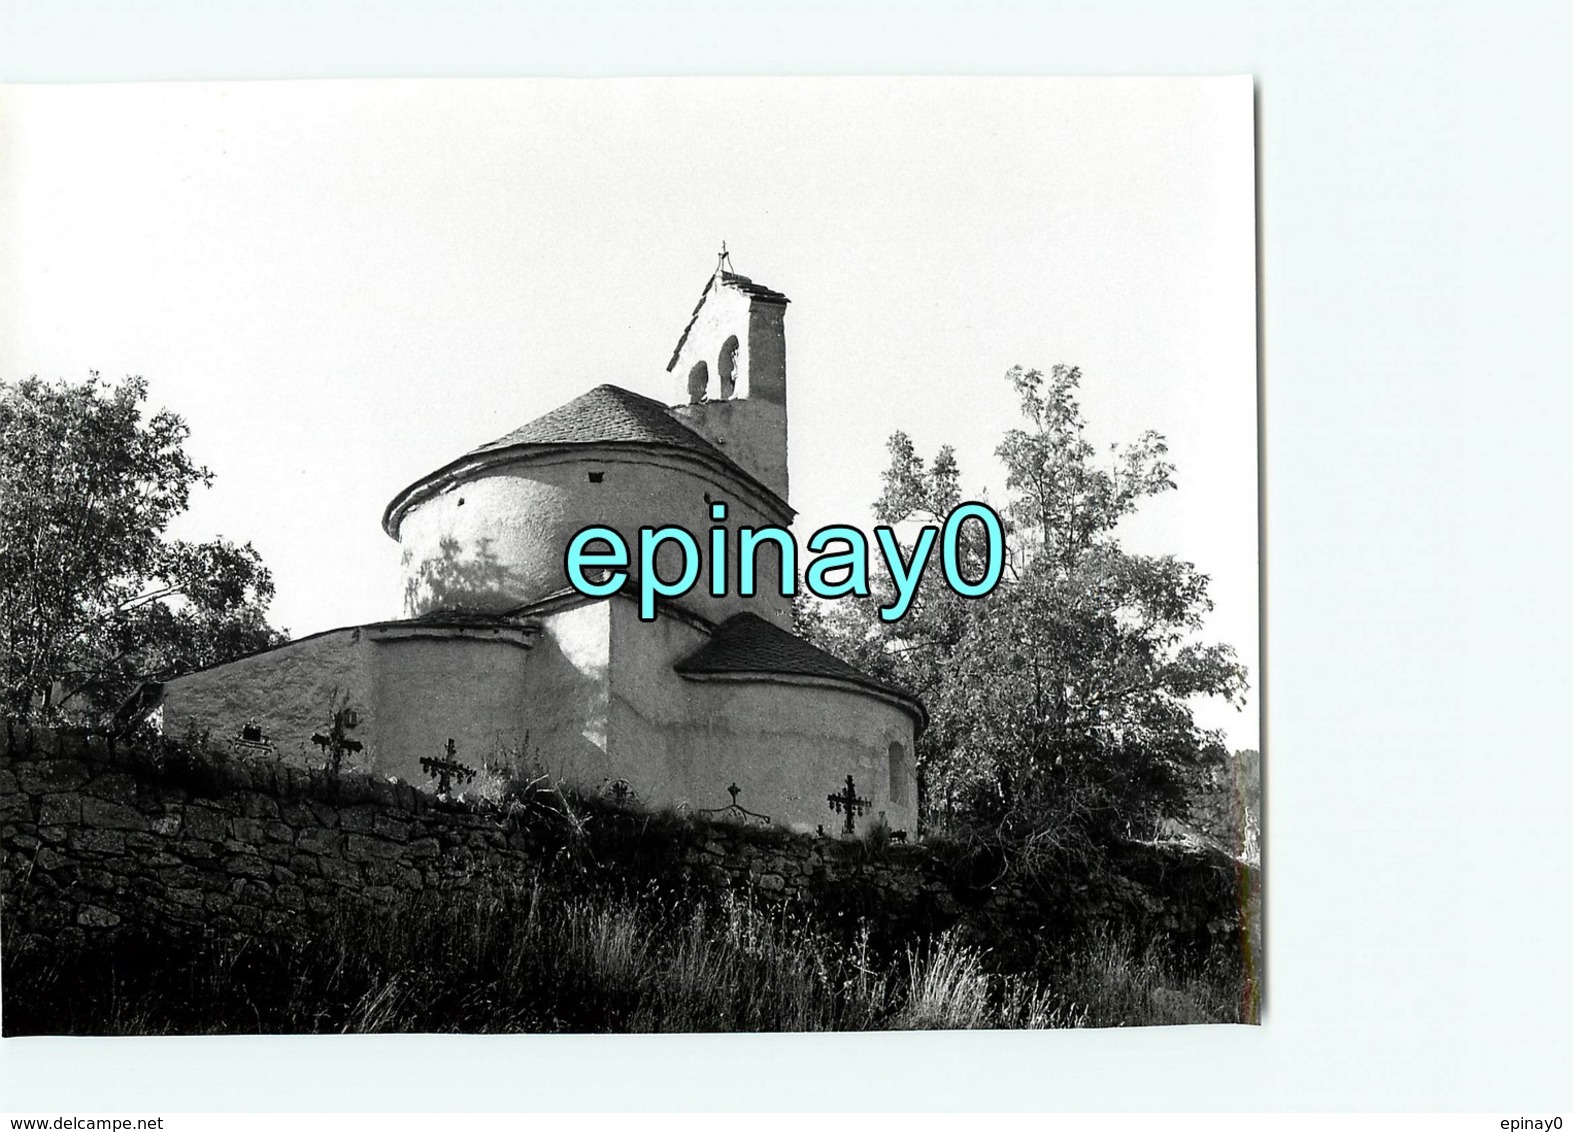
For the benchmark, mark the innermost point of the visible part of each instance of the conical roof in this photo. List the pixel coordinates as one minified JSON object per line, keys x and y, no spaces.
{"x":608,"y":414}
{"x":747,"y":644}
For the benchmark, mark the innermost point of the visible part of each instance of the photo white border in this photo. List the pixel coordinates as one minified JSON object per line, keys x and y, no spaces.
{"x":1417,"y":860}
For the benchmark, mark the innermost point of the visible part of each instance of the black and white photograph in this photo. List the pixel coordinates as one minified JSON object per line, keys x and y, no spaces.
{"x":630,"y":555}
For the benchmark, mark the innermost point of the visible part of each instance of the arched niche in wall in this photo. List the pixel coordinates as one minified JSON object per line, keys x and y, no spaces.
{"x":900,"y":775}
{"x":726,"y":367}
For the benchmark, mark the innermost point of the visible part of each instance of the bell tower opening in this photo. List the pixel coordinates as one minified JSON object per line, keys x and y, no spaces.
{"x":698,"y":383}
{"x":738,"y":333}
{"x":726,"y":367}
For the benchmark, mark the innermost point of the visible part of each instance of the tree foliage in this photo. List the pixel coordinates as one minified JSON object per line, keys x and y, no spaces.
{"x":1059,"y":702}
{"x":93,"y":596}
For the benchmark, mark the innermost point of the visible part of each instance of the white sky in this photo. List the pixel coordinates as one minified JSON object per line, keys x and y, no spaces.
{"x":342,"y":286}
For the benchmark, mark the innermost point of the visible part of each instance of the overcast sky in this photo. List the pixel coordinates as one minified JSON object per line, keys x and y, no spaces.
{"x":342,"y":286}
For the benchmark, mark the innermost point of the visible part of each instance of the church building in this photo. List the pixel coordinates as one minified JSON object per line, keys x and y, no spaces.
{"x":525,"y":675}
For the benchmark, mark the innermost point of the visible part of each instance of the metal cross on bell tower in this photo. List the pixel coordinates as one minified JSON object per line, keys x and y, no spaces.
{"x":724,"y":261}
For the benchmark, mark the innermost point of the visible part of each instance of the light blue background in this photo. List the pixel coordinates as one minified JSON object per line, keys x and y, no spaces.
{"x":1414,"y":179}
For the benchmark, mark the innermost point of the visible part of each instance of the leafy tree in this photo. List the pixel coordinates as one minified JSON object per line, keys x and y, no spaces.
{"x":93,"y":596}
{"x":1059,"y":701}
{"x":911,"y":652}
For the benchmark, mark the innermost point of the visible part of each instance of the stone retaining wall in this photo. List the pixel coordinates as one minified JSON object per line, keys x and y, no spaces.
{"x":97,"y":839}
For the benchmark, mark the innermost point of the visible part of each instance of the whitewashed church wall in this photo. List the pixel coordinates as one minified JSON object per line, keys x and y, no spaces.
{"x":787,"y":746}
{"x":563,"y":703}
{"x":429,"y":689}
{"x":723,"y":315}
{"x":592,"y":701}
{"x":649,"y":705}
{"x":747,"y":421}
{"x":290,"y":692}
{"x":752,"y":432}
{"x":759,"y":362}
{"x":499,"y":540}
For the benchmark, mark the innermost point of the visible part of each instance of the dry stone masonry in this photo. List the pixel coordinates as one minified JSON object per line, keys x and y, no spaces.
{"x":94,"y":839}
{"x":98,"y":839}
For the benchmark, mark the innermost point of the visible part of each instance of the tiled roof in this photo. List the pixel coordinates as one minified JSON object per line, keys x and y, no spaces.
{"x":754,"y":290}
{"x":609,"y":414}
{"x":455,"y":617}
{"x":746,"y":643}
{"x":742,"y":283}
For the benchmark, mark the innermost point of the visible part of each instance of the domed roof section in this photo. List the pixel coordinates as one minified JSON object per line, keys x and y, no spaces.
{"x":607,"y":414}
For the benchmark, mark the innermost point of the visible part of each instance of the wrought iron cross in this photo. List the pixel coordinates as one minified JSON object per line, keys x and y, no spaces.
{"x":335,"y":742}
{"x":446,"y":769}
{"x":847,"y":802}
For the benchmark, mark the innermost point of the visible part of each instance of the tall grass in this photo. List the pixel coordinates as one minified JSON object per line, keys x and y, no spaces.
{"x":528,"y":960}
{"x":1114,"y":982}
{"x":542,"y":959}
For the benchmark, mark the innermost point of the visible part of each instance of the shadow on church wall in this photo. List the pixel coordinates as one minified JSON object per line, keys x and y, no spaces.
{"x":456,"y":581}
